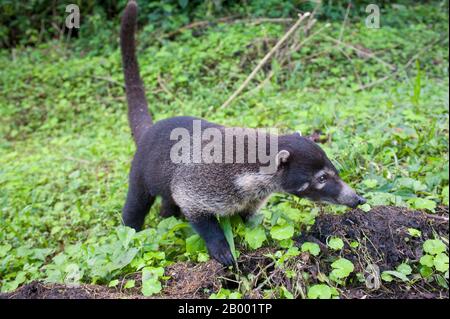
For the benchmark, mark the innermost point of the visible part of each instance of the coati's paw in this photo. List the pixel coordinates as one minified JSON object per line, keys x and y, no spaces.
{"x":220,"y":251}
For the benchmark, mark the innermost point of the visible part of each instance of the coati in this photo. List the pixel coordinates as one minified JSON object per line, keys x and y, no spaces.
{"x":202,"y":191}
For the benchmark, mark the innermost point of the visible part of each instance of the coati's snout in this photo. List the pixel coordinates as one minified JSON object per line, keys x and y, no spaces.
{"x":327,"y":186}
{"x":307,"y":172}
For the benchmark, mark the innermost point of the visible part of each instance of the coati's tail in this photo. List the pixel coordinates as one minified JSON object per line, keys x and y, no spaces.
{"x":138,"y":114}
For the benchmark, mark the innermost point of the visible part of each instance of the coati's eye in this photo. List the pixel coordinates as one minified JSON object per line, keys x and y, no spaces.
{"x":323,"y":179}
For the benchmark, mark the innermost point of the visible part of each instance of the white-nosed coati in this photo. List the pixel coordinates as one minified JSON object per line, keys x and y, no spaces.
{"x":202,"y":191}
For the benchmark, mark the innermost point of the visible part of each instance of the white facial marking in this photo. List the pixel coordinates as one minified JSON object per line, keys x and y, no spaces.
{"x":346,"y":194}
{"x":303,"y":187}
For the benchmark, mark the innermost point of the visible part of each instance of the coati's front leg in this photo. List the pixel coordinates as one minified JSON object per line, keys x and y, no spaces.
{"x":169,"y":208}
{"x":137,"y":205}
{"x":208,"y":228}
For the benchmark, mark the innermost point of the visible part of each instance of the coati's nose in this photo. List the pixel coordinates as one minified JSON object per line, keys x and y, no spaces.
{"x":361,"y":200}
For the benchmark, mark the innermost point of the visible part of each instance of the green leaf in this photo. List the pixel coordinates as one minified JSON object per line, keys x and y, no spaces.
{"x":426,"y":271}
{"x":225,"y":223}
{"x":125,"y":235}
{"x":73,"y":274}
{"x":386,"y":277}
{"x":441,"y":262}
{"x":427,"y":260}
{"x":195,"y":244}
{"x":286,"y":293}
{"x":312,"y":248}
{"x":370,"y":183}
{"x":320,"y":291}
{"x":335,"y":243}
{"x":130,"y":284}
{"x":354,"y":244}
{"x":365,"y":207}
{"x":202,"y":257}
{"x":4,"y":249}
{"x":150,"y":280}
{"x":341,"y":268}
{"x":404,"y":269}
{"x":388,"y":274}
{"x":441,"y":281}
{"x":414,"y":232}
{"x":113,"y":283}
{"x":183,"y":3}
{"x":124,"y":258}
{"x":423,"y":203}
{"x":255,"y":237}
{"x":434,"y":246}
{"x":445,"y":195}
{"x":280,"y":232}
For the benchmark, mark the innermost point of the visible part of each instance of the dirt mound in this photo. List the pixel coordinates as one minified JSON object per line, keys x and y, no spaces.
{"x":382,"y":233}
{"x":188,"y":280}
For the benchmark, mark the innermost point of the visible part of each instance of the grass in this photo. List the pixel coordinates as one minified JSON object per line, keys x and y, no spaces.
{"x":65,"y":146}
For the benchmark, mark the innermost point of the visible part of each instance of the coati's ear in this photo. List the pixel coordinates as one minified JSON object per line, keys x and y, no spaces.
{"x":282,"y":157}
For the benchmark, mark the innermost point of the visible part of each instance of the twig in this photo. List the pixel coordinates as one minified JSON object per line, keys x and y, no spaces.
{"x":166,"y":89}
{"x":196,"y":24}
{"x":108,"y":79}
{"x":264,"y":20}
{"x":351,"y":61}
{"x":199,"y":24}
{"x":406,"y":66}
{"x":80,"y":160}
{"x":344,"y":23}
{"x":443,"y":218}
{"x":371,"y":55}
{"x":265,"y":59}
{"x":294,"y":49}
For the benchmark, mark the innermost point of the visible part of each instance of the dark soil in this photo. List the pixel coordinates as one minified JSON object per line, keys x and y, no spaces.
{"x":383,"y":232}
{"x":384,"y":243}
{"x":39,"y":290}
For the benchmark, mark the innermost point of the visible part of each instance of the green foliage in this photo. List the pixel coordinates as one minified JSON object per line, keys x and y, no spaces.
{"x":312,"y":248}
{"x":435,"y":258}
{"x":335,"y":243}
{"x":225,"y":294}
{"x":255,"y":237}
{"x":65,"y":145}
{"x":150,"y":280}
{"x":434,"y":246}
{"x":282,"y":232}
{"x":225,"y":223}
{"x":322,"y":291}
{"x":342,"y":268}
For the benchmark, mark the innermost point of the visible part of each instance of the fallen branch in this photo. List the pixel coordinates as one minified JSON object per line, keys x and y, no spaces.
{"x":344,"y":24}
{"x":108,"y":79}
{"x":371,"y":55}
{"x":266,"y":59}
{"x":293,"y":49}
{"x":196,"y":24}
{"x":230,"y":20}
{"x":404,"y":68}
{"x":165,"y":89}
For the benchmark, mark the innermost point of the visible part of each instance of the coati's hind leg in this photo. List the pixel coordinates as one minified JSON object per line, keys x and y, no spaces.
{"x":169,"y":208}
{"x":137,"y":205}
{"x":208,"y":228}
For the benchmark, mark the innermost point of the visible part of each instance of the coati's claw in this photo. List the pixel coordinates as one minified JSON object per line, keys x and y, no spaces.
{"x":208,"y":228}
{"x":221,"y":252}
